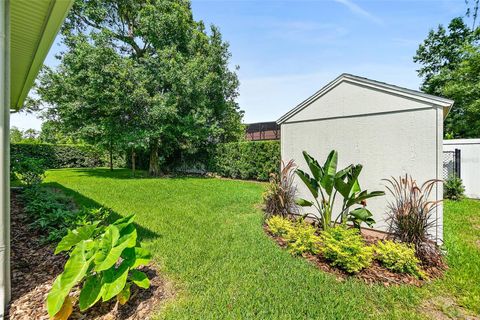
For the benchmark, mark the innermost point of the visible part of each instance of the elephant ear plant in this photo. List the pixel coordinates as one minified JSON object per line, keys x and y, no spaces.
{"x":325,"y":183}
{"x":103,"y":260}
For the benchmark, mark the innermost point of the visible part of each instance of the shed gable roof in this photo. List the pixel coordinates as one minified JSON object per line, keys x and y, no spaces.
{"x":446,"y":104}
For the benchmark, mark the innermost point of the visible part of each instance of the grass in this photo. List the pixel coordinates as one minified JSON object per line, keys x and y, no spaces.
{"x":206,"y":236}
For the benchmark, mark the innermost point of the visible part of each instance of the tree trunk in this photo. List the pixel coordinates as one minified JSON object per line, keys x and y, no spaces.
{"x":111,"y":157}
{"x":133,"y":162}
{"x":154,"y":166}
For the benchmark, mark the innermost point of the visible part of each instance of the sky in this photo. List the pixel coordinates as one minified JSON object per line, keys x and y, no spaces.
{"x":287,"y":50}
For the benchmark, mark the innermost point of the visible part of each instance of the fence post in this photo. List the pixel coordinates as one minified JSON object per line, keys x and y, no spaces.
{"x":458,"y":160}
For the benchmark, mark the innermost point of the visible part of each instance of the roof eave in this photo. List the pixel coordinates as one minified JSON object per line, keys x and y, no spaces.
{"x":52,"y":23}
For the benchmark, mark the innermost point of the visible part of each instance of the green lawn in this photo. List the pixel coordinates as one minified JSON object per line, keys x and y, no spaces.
{"x":207,"y":237}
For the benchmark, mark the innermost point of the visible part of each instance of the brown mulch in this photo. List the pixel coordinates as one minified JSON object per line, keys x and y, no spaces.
{"x":373,"y":274}
{"x":35,"y":267}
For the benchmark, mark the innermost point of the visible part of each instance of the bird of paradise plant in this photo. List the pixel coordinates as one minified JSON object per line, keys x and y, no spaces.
{"x":325,"y":183}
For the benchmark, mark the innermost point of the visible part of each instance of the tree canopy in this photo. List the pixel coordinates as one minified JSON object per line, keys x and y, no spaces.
{"x":449,"y":60}
{"x":143,"y":74}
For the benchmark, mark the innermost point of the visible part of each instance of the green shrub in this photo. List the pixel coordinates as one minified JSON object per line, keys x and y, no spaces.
{"x":345,"y":248}
{"x":57,"y":156}
{"x":29,"y":171}
{"x":103,"y":260}
{"x":302,"y":238}
{"x":246,"y":160}
{"x":453,"y":188}
{"x":279,"y":226}
{"x":398,"y":257}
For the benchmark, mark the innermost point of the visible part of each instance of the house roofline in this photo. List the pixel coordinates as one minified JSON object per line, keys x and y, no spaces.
{"x":382,"y":86}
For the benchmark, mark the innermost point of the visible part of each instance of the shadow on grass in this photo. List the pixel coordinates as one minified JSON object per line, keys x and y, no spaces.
{"x":117,"y":173}
{"x":123,"y":173}
{"x":82,"y":201}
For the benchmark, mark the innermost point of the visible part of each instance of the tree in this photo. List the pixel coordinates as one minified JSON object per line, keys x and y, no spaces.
{"x":440,"y":55}
{"x":52,"y":132}
{"x":144,"y":73}
{"x":16,"y":135}
{"x":463,"y":86}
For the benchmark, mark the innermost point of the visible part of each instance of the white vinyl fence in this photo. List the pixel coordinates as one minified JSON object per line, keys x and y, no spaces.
{"x":469,"y":163}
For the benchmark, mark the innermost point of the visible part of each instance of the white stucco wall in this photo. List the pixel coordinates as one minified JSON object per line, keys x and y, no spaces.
{"x":469,"y":164}
{"x":386,"y":133}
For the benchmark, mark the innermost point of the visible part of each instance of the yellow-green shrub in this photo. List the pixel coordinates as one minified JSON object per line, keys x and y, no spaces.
{"x":345,"y":248}
{"x":279,"y":226}
{"x":301,"y":238}
{"x":398,"y":257}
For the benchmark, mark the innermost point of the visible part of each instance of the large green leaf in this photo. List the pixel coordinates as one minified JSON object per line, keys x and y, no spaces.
{"x":107,"y":242}
{"x":360,"y":215}
{"x":330,"y":169}
{"x":140,"y":279}
{"x":128,"y":239}
{"x":315,"y":168}
{"x":303,"y":203}
{"x":114,"y":280}
{"x":311,"y":183}
{"x":92,"y":291}
{"x":136,"y":257}
{"x":75,"y":236}
{"x":124,"y":295}
{"x":74,"y":271}
{"x":363,"y":196}
{"x":351,"y":186}
{"x":124,"y":222}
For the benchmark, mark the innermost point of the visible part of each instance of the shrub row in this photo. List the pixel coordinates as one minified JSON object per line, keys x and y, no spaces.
{"x":344,"y":247}
{"x":58,"y":156}
{"x":246,"y":160}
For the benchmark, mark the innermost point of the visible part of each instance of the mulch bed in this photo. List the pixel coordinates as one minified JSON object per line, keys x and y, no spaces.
{"x":373,"y":274}
{"x":35,"y":267}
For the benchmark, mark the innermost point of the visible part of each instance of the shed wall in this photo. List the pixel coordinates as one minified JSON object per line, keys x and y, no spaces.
{"x":386,"y":144}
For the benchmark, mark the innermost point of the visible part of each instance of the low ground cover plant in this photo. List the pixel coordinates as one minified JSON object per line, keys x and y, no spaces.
{"x":345,"y":248}
{"x":28,"y":171}
{"x":279,"y":226}
{"x":453,"y":189}
{"x":325,"y":183}
{"x":302,"y":238}
{"x":53,"y":213}
{"x":398,"y":257}
{"x":104,"y":261}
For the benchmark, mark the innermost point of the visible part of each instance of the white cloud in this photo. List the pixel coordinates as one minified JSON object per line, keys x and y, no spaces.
{"x":355,"y":8}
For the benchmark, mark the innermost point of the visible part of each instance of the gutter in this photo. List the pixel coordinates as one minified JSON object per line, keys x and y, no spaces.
{"x":5,"y":156}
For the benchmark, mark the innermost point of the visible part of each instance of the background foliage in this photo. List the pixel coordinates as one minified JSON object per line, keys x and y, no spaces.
{"x":143,"y":75}
{"x":57,"y":155}
{"x":449,"y":60}
{"x":247,"y":160}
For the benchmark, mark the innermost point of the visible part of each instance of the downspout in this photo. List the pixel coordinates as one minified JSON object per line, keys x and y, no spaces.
{"x":5,"y":156}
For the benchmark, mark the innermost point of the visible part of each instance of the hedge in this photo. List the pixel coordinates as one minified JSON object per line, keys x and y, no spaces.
{"x":58,"y":155}
{"x":247,"y":160}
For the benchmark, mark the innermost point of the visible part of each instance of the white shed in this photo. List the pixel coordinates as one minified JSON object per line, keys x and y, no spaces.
{"x":388,"y":129}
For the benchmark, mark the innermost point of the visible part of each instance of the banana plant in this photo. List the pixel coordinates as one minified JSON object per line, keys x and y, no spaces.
{"x":325,"y":183}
